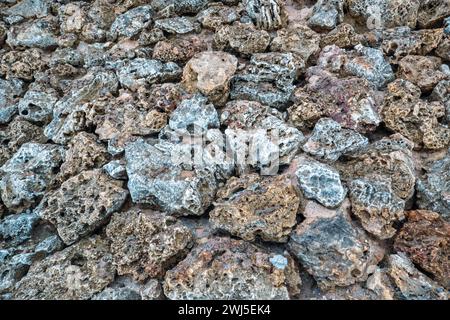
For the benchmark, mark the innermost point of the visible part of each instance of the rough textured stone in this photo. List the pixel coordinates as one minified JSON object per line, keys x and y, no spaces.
{"x":412,"y":284}
{"x":242,"y":38}
{"x":404,"y":112}
{"x":327,"y":14}
{"x":224,"y":268}
{"x":385,"y":13}
{"x":352,"y":102}
{"x":431,"y":12}
{"x":137,"y":72}
{"x":77,"y":272}
{"x":36,"y":34}
{"x":17,"y":133}
{"x":124,"y":288}
{"x":252,"y":206}
{"x":422,"y":71}
{"x":329,"y":140}
{"x":25,"y":177}
{"x":217,"y":15}
{"x":332,"y":249}
{"x":210,"y":74}
{"x":425,"y":238}
{"x":10,"y":92}
{"x":178,"y":25}
{"x":178,"y":50}
{"x":298,"y":39}
{"x":433,"y":189}
{"x":146,"y":243}
{"x":318,"y":181}
{"x":378,"y":208}
{"x":154,"y":179}
{"x":267,"y":14}
{"x":82,"y":204}
{"x":387,"y":160}
{"x":130,"y":23}
{"x":37,"y":106}
{"x":268,"y":79}
{"x":21,"y":64}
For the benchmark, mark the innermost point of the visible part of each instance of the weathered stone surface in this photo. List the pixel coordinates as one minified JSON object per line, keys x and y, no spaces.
{"x":387,"y":160}
{"x":425,"y":238}
{"x":385,"y":13}
{"x":267,"y":14}
{"x":343,"y":36}
{"x":413,"y":284}
{"x":433,"y":189}
{"x":268,"y":79}
{"x":431,"y":12}
{"x":224,"y":268}
{"x":252,"y":206}
{"x":318,"y":181}
{"x":422,"y":71}
{"x":178,"y":25}
{"x":37,"y":106}
{"x":402,"y":41}
{"x":36,"y":34}
{"x":209,"y":73}
{"x":404,"y":112}
{"x":77,"y":272}
{"x":145,"y":243}
{"x":242,"y":38}
{"x":124,"y":288}
{"x":443,"y":50}
{"x":82,"y":204}
{"x":298,"y":39}
{"x":84,"y":153}
{"x":21,"y":64}
{"x":332,"y":249}
{"x":17,"y":133}
{"x":24,"y":177}
{"x":130,"y":23}
{"x":154,"y":179}
{"x":140,"y":71}
{"x":378,"y":208}
{"x":352,"y":102}
{"x":329,"y":140}
{"x":116,"y":169}
{"x":217,"y":15}
{"x":369,"y":63}
{"x":10,"y":91}
{"x":327,"y":14}
{"x":178,"y":49}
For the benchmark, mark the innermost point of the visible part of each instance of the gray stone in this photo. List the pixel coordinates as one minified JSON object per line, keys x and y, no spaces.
{"x":433,"y":189}
{"x":130,"y":23}
{"x":140,"y":71}
{"x":153,"y":178}
{"x":332,"y":249}
{"x":26,"y":175}
{"x":268,"y":79}
{"x":329,"y":140}
{"x":37,"y":106}
{"x":116,"y":169}
{"x":124,"y":288}
{"x":267,"y":14}
{"x":327,"y":14}
{"x":30,"y":9}
{"x":378,"y":208}
{"x":37,"y":34}
{"x":177,"y":25}
{"x":319,"y":181}
{"x":17,"y":228}
{"x":413,"y":284}
{"x":10,"y":91}
{"x":369,"y":63}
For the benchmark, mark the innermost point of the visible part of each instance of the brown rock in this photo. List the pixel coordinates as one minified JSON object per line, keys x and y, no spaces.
{"x":77,"y":272}
{"x":425,"y":238}
{"x":178,"y":50}
{"x":252,"y":206}
{"x":145,"y":243}
{"x":82,"y":204}
{"x":224,"y":268}
{"x":418,"y":120}
{"x":422,"y":71}
{"x":431,"y":12}
{"x":21,"y":64}
{"x":210,"y":74}
{"x":165,"y":96}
